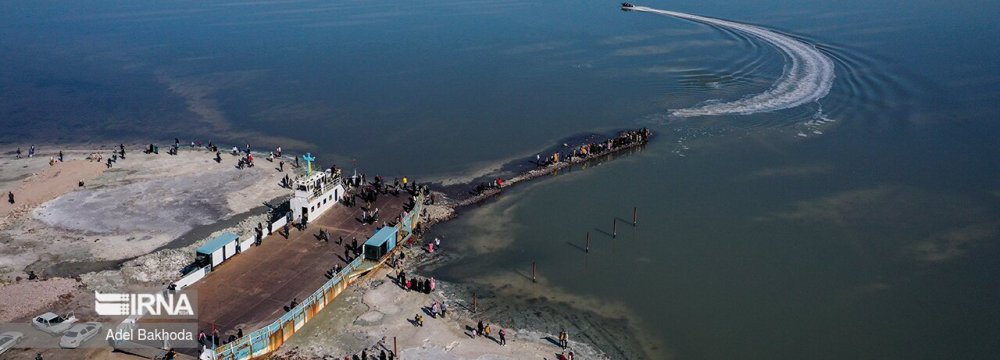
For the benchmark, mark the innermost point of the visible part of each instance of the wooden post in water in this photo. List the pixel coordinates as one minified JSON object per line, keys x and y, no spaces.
{"x":533,"y":271}
{"x":614,"y":227}
{"x":475,"y":307}
{"x":395,"y":349}
{"x":588,"y":242}
{"x":635,"y":216}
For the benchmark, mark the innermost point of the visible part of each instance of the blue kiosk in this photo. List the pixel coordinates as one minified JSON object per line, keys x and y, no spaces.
{"x":381,"y":243}
{"x":218,"y":250}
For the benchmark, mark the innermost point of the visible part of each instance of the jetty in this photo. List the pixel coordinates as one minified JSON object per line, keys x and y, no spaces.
{"x":327,"y":236}
{"x":567,"y":157}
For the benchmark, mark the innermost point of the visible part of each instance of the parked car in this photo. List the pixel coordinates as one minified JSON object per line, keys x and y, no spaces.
{"x":9,"y":339}
{"x":79,"y":334}
{"x":52,"y":323}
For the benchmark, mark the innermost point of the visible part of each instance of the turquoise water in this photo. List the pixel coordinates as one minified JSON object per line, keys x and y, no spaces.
{"x":863,"y":225}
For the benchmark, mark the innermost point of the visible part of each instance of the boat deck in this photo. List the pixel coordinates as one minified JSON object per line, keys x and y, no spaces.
{"x":251,"y":290}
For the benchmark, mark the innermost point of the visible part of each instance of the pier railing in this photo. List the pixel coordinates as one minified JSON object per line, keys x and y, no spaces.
{"x":270,"y":337}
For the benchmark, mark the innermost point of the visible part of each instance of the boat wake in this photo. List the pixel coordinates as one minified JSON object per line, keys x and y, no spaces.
{"x":807,"y":78}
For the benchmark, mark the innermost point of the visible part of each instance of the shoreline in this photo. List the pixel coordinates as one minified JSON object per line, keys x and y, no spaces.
{"x":162,"y":263}
{"x":371,"y":319}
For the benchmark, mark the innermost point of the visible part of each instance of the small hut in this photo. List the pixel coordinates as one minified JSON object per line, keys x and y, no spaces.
{"x":381,"y":243}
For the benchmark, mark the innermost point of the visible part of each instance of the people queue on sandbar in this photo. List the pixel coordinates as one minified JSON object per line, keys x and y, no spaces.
{"x":624,"y":139}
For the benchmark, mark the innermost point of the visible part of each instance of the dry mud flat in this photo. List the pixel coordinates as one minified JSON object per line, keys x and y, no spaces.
{"x":135,"y":207}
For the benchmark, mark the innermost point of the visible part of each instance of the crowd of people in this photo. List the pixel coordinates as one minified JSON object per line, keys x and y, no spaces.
{"x":246,"y":161}
{"x":483,"y":187}
{"x":623,"y":139}
{"x":383,"y":354}
{"x":415,"y":283}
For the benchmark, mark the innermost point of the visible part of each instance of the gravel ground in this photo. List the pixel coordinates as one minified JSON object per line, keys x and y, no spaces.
{"x":27,"y":298}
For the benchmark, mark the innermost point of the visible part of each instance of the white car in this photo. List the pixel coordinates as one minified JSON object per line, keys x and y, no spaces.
{"x":79,"y":334}
{"x":9,"y":339}
{"x":52,"y":323}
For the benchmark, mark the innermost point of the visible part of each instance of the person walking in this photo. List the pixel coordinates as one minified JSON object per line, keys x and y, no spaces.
{"x":503,"y":337}
{"x":479,"y":327}
{"x":18,"y":153}
{"x":563,"y":339}
{"x":10,"y":197}
{"x":444,"y":309}
{"x":60,"y":156}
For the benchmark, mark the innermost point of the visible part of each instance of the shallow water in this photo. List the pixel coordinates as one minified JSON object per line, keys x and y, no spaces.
{"x":859,"y":226}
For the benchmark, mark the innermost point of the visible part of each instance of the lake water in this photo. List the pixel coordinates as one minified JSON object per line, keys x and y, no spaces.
{"x":862,"y":225}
